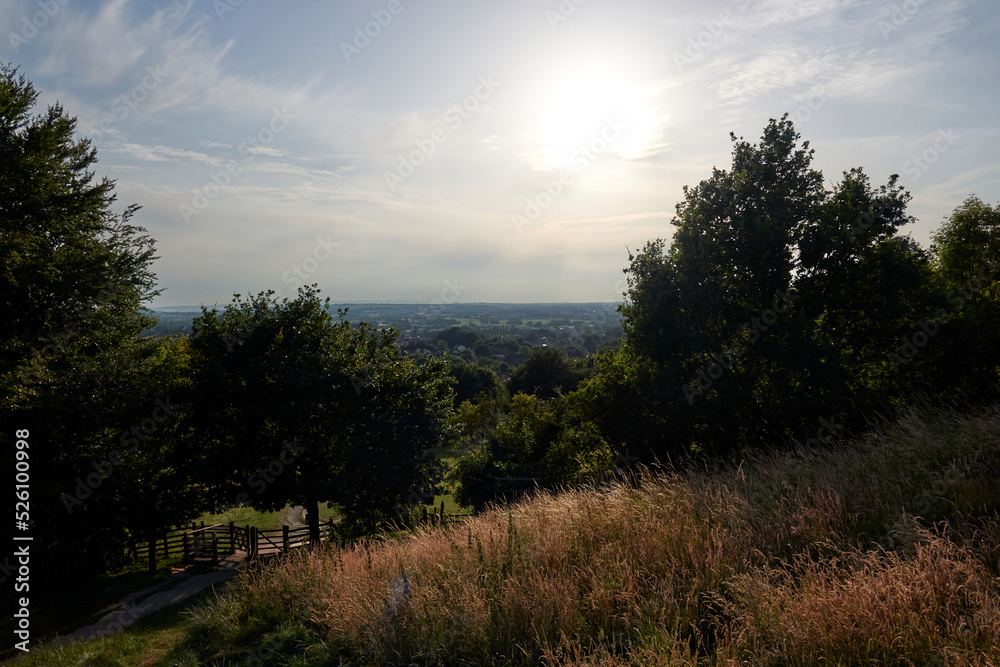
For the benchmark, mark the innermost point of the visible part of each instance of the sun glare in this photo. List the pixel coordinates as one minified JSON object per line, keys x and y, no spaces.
{"x":597,"y":110}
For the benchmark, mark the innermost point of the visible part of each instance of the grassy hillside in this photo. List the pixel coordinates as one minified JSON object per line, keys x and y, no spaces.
{"x":884,"y":551}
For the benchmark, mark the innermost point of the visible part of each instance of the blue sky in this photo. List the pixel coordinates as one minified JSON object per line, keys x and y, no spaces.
{"x":427,"y":150}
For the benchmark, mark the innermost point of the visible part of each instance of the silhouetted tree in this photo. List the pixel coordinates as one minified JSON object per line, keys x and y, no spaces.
{"x":295,"y":406}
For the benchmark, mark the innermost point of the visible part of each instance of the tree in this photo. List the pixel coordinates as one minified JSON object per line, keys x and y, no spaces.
{"x":776,"y":301}
{"x":473,"y":380}
{"x":74,"y":368}
{"x":526,"y":437}
{"x":964,"y":358}
{"x":545,"y":372}
{"x":69,"y":265}
{"x":299,"y":407}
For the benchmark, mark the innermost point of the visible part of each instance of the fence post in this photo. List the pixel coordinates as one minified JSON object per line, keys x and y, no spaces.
{"x":252,"y":536}
{"x":187,"y":550}
{"x":215,"y":548}
{"x":329,"y":535}
{"x":232,"y":536}
{"x":152,"y":553}
{"x":284,"y":539}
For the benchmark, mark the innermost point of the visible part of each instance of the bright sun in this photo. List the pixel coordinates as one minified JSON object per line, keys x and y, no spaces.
{"x":596,"y":108}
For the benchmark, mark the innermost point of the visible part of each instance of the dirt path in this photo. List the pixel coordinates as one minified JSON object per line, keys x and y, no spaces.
{"x":174,"y":589}
{"x":296,"y":516}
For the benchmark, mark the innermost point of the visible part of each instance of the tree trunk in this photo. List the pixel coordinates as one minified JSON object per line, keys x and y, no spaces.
{"x":312,"y":516}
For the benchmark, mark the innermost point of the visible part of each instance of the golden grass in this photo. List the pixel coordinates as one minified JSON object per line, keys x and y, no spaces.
{"x":798,"y":559}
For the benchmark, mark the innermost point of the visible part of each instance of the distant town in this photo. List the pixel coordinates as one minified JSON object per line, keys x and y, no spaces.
{"x":505,"y":332}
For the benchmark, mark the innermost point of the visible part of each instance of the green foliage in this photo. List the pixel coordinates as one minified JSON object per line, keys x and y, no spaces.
{"x":455,"y":336}
{"x":545,"y":373}
{"x":70,"y":268}
{"x":74,"y":368}
{"x":964,"y":359}
{"x":524,"y":436}
{"x":780,"y":304}
{"x":294,"y":406}
{"x":474,"y":381}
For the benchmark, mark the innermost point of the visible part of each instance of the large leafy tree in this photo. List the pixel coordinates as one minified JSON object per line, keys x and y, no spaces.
{"x":296,"y":406}
{"x":774,"y":306}
{"x":70,"y":266}
{"x":962,"y":355}
{"x":75,"y":369}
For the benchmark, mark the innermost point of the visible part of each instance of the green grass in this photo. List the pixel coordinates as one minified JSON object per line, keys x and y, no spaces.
{"x":147,"y":643}
{"x":83,"y":604}
{"x":247,"y":516}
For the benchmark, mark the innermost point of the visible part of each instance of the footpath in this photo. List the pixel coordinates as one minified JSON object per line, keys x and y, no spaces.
{"x":173,"y":589}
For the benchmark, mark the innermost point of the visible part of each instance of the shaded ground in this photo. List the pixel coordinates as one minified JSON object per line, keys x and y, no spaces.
{"x":175,"y":588}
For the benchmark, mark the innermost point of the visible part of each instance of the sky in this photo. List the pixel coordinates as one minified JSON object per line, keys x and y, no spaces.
{"x":441,"y":151}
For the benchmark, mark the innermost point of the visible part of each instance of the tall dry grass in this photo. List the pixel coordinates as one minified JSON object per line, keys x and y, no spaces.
{"x":884,"y":551}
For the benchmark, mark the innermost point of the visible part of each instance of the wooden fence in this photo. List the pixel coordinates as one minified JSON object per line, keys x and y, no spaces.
{"x":210,"y":543}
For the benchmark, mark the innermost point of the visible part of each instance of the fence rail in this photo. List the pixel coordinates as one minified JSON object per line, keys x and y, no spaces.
{"x":210,"y":543}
